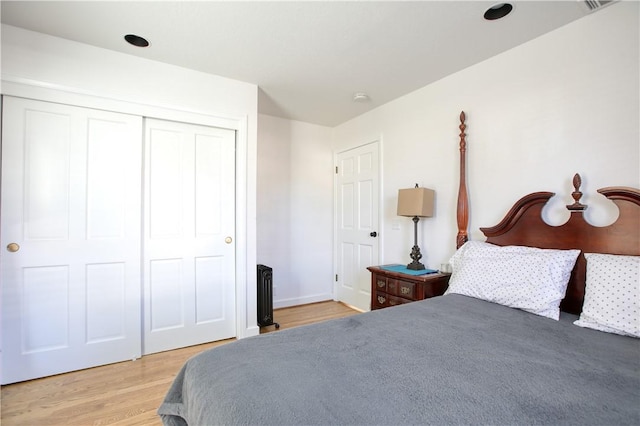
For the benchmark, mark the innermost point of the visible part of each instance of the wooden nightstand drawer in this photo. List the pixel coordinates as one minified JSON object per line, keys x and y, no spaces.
{"x":401,"y":288}
{"x":381,"y":300}
{"x":390,"y":288}
{"x":394,"y":300}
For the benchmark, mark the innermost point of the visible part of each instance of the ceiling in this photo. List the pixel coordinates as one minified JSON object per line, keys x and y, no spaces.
{"x":307,"y":57}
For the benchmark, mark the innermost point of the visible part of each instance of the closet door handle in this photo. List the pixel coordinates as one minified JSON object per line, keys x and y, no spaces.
{"x":373,"y":234}
{"x":13,"y":247}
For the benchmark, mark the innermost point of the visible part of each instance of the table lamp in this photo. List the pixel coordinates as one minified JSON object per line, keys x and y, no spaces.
{"x":416,"y":203}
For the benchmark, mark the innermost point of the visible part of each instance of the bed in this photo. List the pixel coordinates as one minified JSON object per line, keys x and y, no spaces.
{"x":537,"y":327}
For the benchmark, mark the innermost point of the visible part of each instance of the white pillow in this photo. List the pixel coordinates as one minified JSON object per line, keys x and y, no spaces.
{"x":532,"y":279}
{"x":612,"y":293}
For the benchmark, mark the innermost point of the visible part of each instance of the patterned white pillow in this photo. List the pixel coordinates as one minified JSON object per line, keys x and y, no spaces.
{"x":532,"y":279}
{"x":612,"y":294}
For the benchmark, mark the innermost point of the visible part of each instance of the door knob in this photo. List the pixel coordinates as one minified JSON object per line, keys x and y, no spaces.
{"x":228,"y":240}
{"x":13,"y":247}
{"x":373,"y":234}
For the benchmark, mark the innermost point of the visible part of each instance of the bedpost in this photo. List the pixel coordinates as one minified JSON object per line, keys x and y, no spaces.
{"x":463,"y":202}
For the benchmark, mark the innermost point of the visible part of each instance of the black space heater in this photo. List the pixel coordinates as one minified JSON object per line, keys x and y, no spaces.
{"x":265,"y":296}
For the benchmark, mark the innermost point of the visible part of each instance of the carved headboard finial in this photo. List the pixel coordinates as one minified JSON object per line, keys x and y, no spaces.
{"x":576,"y":194}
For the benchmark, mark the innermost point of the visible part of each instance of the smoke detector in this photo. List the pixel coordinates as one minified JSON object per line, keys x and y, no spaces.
{"x":360,"y":97}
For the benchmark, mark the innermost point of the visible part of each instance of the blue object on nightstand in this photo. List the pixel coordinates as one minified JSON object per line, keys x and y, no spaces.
{"x":403,"y":270}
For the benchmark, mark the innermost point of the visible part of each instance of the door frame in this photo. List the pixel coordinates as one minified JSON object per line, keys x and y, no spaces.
{"x":381,"y":211}
{"x":246,"y":295}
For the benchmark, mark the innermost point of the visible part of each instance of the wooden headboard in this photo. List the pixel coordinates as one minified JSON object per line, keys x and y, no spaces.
{"x":523,"y":225}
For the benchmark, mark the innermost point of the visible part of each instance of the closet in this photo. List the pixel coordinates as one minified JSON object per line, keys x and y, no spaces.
{"x":117,"y":237}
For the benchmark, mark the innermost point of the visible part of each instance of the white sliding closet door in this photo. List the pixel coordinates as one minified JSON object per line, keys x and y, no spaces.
{"x":189,"y":235}
{"x":71,"y":232}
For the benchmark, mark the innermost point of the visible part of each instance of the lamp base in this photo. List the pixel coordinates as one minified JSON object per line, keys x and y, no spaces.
{"x":416,"y":256}
{"x":415,"y":266}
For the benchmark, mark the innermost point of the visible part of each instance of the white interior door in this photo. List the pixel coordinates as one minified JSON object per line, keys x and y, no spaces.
{"x":357,"y":193}
{"x":189,"y":235}
{"x":70,"y":232}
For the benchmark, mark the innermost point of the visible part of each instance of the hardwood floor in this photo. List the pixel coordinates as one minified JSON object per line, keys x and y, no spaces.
{"x":126,"y":393}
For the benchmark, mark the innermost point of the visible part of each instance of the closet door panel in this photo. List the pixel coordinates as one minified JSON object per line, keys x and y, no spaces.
{"x":189,"y":245}
{"x":46,"y":147}
{"x":106,"y":184}
{"x":106,"y":302}
{"x":166,"y":174}
{"x":71,"y":215}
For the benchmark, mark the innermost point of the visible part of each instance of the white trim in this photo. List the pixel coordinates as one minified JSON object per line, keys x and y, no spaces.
{"x":43,"y":91}
{"x":381,"y":193}
{"x":243,"y":327}
{"x":297,"y":301}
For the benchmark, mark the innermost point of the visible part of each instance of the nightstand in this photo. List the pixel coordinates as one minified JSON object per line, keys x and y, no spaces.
{"x":390,"y":288}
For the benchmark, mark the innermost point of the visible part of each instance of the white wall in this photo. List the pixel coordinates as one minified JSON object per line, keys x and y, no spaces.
{"x":566,"y":102}
{"x":33,"y":64}
{"x":295,"y":209}
{"x":563,"y":103}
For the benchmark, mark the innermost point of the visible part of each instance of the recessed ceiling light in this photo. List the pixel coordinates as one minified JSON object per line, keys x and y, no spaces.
{"x":136,"y":40}
{"x":498,"y":11}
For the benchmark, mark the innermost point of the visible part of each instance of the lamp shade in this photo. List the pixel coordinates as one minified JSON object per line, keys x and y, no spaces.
{"x":415,"y":202}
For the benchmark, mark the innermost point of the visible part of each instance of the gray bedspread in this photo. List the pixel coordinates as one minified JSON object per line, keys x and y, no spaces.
{"x":447,"y":360}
